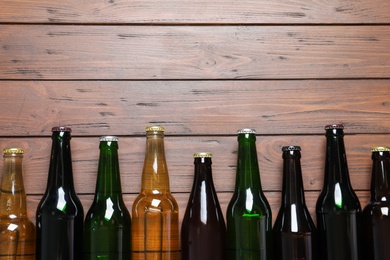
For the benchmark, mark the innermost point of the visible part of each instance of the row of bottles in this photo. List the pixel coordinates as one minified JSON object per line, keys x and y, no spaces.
{"x":343,"y":230}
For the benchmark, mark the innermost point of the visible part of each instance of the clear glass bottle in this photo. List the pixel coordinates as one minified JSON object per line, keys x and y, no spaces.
{"x":155,"y":213}
{"x":107,"y":227}
{"x":338,"y":208}
{"x":203,"y":230}
{"x":376,"y":218}
{"x":17,"y":232}
{"x":60,"y":215}
{"x":249,"y":220}
{"x":294,"y":230}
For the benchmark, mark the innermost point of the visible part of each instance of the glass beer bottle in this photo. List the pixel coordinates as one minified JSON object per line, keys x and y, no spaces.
{"x":248,"y":214}
{"x":155,"y":213}
{"x":294,"y":230}
{"x":60,"y":215}
{"x":107,"y":224}
{"x":17,"y":234}
{"x":338,"y":208}
{"x":376,"y":219}
{"x":203,"y":230}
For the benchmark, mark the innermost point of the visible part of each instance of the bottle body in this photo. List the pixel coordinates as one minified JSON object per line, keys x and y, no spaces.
{"x":60,"y":215}
{"x":376,"y":219}
{"x":107,"y":227}
{"x":248,"y":217}
{"x":203,"y":232}
{"x":294,"y":230}
{"x":155,"y":213}
{"x":17,"y":232}
{"x":338,"y":209}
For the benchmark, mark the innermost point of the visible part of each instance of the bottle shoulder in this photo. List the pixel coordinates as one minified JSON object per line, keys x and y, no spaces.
{"x":294,"y":220}
{"x":60,"y":204}
{"x":164,"y":201}
{"x":337,"y":199}
{"x":244,"y":204}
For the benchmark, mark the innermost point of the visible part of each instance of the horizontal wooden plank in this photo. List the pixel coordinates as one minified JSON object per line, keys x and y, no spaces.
{"x":195,"y":12}
{"x":273,"y":198}
{"x":179,"y":153}
{"x":194,"y":107}
{"x":193,"y":52}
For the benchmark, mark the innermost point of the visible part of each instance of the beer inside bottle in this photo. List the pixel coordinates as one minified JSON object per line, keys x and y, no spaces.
{"x":155,"y":213}
{"x":248,"y":214}
{"x":107,"y":224}
{"x":17,"y":232}
{"x":338,"y":208}
{"x":60,"y":215}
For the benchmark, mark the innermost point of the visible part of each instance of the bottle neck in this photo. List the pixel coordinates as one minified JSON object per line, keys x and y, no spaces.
{"x":155,"y":177}
{"x":292,"y":191}
{"x":247,"y":176}
{"x":108,"y":184}
{"x":336,"y":168}
{"x":12,"y":196}
{"x":203,"y":174}
{"x":380,"y":178}
{"x":60,"y":169}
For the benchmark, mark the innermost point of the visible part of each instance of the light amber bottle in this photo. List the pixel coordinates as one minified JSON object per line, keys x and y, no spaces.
{"x":17,"y":234}
{"x":155,"y":213}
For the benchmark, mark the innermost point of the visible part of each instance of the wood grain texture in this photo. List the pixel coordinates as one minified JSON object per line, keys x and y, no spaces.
{"x":195,"y":12}
{"x":179,"y":153}
{"x":193,"y":52}
{"x":194,"y":107}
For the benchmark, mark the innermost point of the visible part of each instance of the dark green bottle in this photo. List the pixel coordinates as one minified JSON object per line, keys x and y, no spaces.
{"x":338,"y":208}
{"x":248,"y":214}
{"x":376,"y":214}
{"x":107,"y":223}
{"x":60,"y":215}
{"x":294,"y":230}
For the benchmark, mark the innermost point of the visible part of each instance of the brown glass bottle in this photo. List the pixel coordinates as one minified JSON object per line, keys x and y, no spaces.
{"x":338,"y":208}
{"x":203,"y":230}
{"x":294,"y":230}
{"x":376,"y":218}
{"x":17,"y":237}
{"x":155,"y":213}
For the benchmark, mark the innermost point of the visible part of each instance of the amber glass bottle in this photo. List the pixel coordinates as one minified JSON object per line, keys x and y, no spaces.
{"x":107,"y":224}
{"x":60,"y":214}
{"x":203,"y":230}
{"x":248,"y":216}
{"x":338,"y":208}
{"x":17,"y":234}
{"x":294,"y":230}
{"x":376,"y":218}
{"x":155,"y":213}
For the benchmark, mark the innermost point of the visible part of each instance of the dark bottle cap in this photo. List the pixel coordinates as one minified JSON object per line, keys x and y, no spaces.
{"x":335,"y":126}
{"x":61,"y":129}
{"x":291,"y":148}
{"x":108,"y":138}
{"x":203,"y":155}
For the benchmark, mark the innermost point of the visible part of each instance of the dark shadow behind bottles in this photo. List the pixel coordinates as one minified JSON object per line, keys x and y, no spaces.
{"x":60,"y":215}
{"x":203,"y":230}
{"x":248,"y":216}
{"x":338,"y":208}
{"x":376,"y":218}
{"x":294,"y":231}
{"x":107,"y":227}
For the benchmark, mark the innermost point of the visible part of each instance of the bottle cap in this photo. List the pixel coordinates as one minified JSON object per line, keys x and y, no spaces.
{"x":291,"y":148}
{"x":203,"y":155}
{"x":246,"y":131}
{"x":335,"y":126}
{"x":13,"y":151}
{"x":108,"y":138}
{"x":380,"y":149}
{"x":154,"y":129}
{"x":61,"y":129}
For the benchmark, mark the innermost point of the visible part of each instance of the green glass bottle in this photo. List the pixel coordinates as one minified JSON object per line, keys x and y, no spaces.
{"x":248,"y":214}
{"x":107,"y":227}
{"x":338,"y":208}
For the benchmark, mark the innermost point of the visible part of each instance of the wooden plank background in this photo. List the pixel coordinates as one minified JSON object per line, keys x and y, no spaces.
{"x":203,"y":70}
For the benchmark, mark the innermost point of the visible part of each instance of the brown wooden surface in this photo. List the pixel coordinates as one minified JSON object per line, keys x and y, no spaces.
{"x":202,"y":69}
{"x":195,"y":12}
{"x":193,"y":52}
